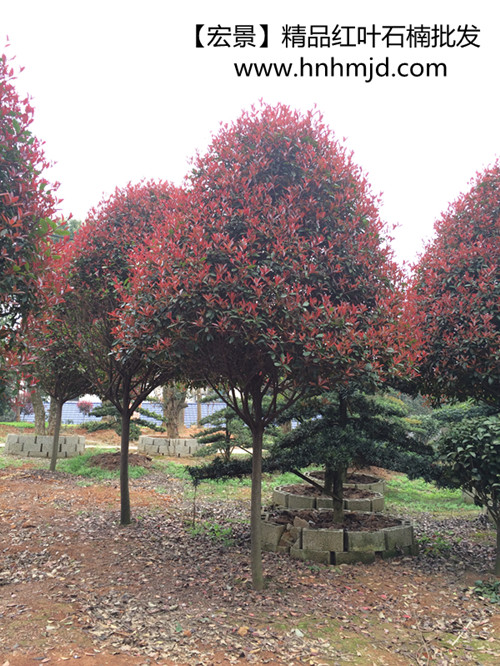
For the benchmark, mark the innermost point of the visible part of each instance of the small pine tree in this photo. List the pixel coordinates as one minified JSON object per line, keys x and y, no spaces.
{"x":225,"y":432}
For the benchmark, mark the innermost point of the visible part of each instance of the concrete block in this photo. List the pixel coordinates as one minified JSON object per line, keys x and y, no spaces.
{"x":13,"y":445}
{"x":271,"y":535}
{"x":398,"y":537}
{"x":321,"y":557}
{"x":149,"y":448}
{"x":352,"y":557}
{"x":358,"y":504}
{"x":37,"y":454}
{"x":30,"y":445}
{"x":324,"y":503}
{"x":143,"y":442}
{"x":323,"y":539}
{"x":378,"y":504}
{"x":365,"y":541}
{"x":280,"y":498}
{"x":301,"y":502}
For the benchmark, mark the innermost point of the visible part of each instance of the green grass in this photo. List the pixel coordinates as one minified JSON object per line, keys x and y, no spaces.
{"x":17,"y":424}
{"x":417,"y":496}
{"x":9,"y":461}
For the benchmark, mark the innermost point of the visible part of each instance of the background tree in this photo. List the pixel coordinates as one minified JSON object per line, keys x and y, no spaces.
{"x":93,"y":268}
{"x":173,"y":403}
{"x":346,"y":429}
{"x":27,"y":205}
{"x":456,"y":293}
{"x":470,"y":451}
{"x":223,"y":431}
{"x":279,"y":282}
{"x":50,"y":359}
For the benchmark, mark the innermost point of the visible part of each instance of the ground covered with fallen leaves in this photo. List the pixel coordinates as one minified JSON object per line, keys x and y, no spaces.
{"x":75,"y":585}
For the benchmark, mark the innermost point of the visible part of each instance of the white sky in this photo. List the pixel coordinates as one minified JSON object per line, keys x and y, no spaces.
{"x":121,"y":93}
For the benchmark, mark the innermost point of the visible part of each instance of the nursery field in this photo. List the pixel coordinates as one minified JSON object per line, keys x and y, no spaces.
{"x":174,"y":586}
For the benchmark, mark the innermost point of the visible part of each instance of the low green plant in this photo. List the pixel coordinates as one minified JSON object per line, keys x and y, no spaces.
{"x":434,"y":545}
{"x":488,"y":590}
{"x":215,"y":532}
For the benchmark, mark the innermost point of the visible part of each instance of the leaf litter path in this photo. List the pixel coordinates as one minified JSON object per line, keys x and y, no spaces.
{"x":75,"y":585}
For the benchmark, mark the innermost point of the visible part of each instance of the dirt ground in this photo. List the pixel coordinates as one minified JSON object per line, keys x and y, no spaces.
{"x":75,"y":585}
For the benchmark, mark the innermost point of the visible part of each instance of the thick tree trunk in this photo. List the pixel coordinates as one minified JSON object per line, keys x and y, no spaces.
{"x":256,"y":512}
{"x":52,"y":417}
{"x":173,"y":400}
{"x":39,"y":409}
{"x":58,"y":405}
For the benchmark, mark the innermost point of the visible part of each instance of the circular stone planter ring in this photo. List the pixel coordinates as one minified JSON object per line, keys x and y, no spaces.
{"x":356,"y":480}
{"x":341,"y":545}
{"x":285,"y":497}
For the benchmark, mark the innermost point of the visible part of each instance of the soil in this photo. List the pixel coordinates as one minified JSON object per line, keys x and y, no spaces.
{"x":352,"y":477}
{"x":323,"y":519}
{"x":111,"y":461}
{"x":75,"y":585}
{"x":311,"y":491}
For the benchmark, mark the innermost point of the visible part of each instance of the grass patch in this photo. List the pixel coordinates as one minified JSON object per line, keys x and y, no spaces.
{"x":82,"y":466}
{"x":417,"y":496}
{"x":9,"y":461}
{"x":17,"y":424}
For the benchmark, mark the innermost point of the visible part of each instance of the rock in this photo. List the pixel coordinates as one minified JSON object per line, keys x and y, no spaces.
{"x":300,"y":522}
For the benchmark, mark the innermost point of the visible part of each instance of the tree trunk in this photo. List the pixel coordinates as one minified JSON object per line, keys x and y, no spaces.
{"x":338,"y":494}
{"x":497,"y":558}
{"x":334,"y":486}
{"x":58,"y":405}
{"x":173,"y":402}
{"x":52,"y":417}
{"x":198,"y":406}
{"x":39,"y":409}
{"x":256,"y":512}
{"x":125,"y":515}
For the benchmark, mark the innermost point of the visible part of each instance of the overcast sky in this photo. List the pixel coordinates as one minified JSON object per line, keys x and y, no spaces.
{"x":121,"y":92}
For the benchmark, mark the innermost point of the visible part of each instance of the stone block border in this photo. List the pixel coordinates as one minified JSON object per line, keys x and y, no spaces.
{"x":40,"y":446}
{"x":292,"y":501}
{"x":173,"y":448}
{"x":338,"y":546}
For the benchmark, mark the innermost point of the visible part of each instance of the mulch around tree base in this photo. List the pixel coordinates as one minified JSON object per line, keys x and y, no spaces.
{"x":111,"y":461}
{"x":323,"y":519}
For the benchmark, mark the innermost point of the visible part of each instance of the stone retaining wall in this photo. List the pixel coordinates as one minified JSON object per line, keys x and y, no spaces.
{"x":338,"y":546}
{"x":292,"y":501}
{"x":173,"y":448}
{"x":40,"y":446}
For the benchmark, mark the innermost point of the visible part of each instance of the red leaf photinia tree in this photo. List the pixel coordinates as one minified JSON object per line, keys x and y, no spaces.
{"x":93,"y":269}
{"x":277,"y":283}
{"x":456,"y":294}
{"x":26,"y":206}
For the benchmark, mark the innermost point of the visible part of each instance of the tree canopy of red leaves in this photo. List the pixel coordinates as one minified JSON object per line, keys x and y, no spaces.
{"x":26,"y":206}
{"x":278,"y":281}
{"x":85,"y":286}
{"x":456,"y":294}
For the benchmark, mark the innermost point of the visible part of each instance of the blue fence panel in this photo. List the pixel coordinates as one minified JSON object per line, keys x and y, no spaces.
{"x":71,"y":413}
